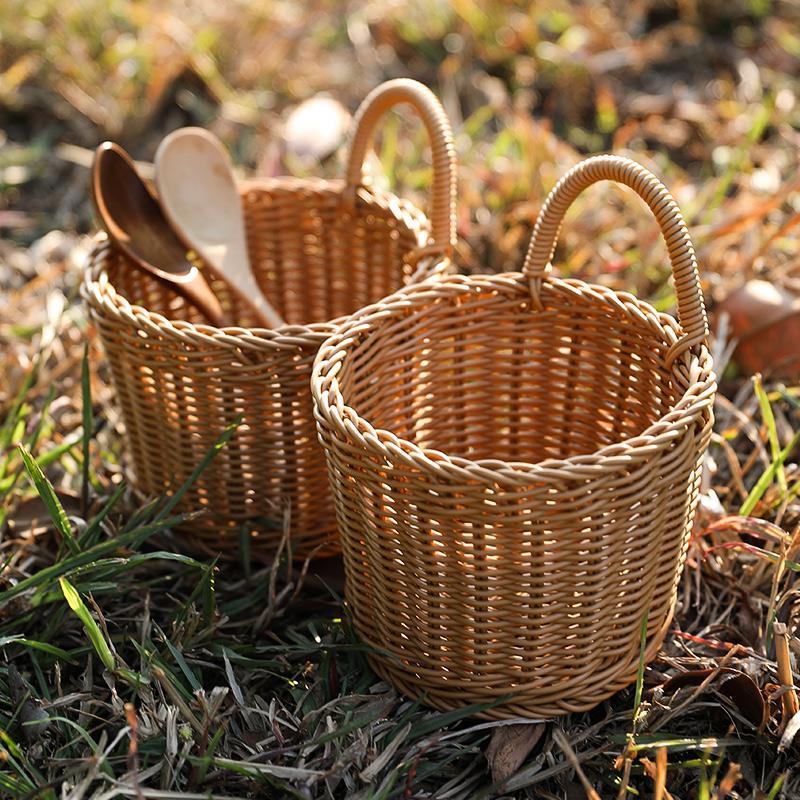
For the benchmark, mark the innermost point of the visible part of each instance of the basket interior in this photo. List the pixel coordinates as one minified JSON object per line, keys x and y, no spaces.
{"x":314,"y":261}
{"x":483,"y":376}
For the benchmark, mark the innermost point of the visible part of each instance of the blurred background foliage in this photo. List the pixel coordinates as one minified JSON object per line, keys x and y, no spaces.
{"x":702,"y":91}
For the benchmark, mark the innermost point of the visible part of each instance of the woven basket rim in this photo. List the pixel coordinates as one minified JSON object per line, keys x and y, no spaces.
{"x":696,"y":361}
{"x":96,"y":287}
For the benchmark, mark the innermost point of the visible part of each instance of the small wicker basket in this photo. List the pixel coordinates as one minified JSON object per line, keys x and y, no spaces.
{"x":320,"y":249}
{"x":515,"y":461}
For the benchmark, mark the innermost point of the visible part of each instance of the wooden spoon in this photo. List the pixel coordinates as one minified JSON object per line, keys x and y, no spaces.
{"x":199,"y":196}
{"x":134,"y":220}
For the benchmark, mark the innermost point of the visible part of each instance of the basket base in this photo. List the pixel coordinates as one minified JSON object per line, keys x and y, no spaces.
{"x":218,"y":537}
{"x":509,"y":704}
{"x":228,"y":547}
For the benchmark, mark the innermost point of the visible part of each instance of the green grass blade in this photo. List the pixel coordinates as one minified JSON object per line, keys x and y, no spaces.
{"x":220,"y":442}
{"x":50,"y":499}
{"x":51,"y":456}
{"x":442,"y":720}
{"x":43,"y":646}
{"x":760,"y":120}
{"x":776,"y":787}
{"x":205,"y":763}
{"x":33,"y":439}
{"x":86,"y":396}
{"x":91,"y":627}
{"x":704,"y":789}
{"x":12,"y":418}
{"x":14,"y":787}
{"x":208,"y":592}
{"x":181,"y":662}
{"x":772,"y":430}
{"x":86,"y":736}
{"x":89,"y":536}
{"x":144,"y":513}
{"x":637,"y":699}
{"x":678,"y":743}
{"x":766,"y":479}
{"x":244,"y":551}
{"x":163,"y":555}
{"x":8,"y":485}
{"x":15,"y":758}
{"x":71,"y":563}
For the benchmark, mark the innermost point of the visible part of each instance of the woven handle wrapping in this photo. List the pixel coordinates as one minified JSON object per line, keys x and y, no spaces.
{"x":691,"y":309}
{"x":425,"y":103}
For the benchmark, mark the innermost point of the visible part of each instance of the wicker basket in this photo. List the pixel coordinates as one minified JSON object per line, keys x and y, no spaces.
{"x":320,"y":250}
{"x":515,"y":461}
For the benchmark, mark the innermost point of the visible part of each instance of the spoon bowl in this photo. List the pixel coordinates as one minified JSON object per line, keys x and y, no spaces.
{"x":200,"y":198}
{"x":134,"y":220}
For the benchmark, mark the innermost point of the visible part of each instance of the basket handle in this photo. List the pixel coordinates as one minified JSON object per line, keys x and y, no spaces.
{"x":429,"y":109}
{"x":691,"y":309}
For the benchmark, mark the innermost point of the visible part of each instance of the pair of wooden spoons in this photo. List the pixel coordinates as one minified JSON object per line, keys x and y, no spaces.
{"x":199,"y":210}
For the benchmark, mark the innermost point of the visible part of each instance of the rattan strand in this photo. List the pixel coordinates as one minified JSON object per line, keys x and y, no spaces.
{"x":320,"y":249}
{"x":515,"y":461}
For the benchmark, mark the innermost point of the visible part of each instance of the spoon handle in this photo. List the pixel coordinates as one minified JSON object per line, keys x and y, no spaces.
{"x":265,"y":311}
{"x":197,"y":291}
{"x":247,"y":289}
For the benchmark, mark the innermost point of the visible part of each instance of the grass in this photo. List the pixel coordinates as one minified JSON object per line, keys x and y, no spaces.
{"x":129,"y":669}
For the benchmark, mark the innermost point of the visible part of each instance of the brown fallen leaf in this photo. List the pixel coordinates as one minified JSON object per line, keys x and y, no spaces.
{"x":32,"y":515}
{"x":510,"y":746}
{"x":574,"y":791}
{"x":32,"y":718}
{"x":765,"y":319}
{"x":727,"y":784}
{"x":756,"y":304}
{"x":772,"y":350}
{"x":738,"y":687}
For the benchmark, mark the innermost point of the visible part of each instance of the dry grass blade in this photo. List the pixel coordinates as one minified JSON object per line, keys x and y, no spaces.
{"x":562,"y":742}
{"x":660,"y":778}
{"x":789,"y":702}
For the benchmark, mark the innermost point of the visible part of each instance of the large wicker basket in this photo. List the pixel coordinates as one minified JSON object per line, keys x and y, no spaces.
{"x":320,"y":249}
{"x":515,"y":461}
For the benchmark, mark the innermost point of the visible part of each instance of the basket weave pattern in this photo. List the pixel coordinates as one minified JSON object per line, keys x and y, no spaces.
{"x":515,"y":461}
{"x":319,"y":249}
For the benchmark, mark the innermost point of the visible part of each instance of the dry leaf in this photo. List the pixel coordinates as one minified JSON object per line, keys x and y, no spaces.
{"x":574,"y":791}
{"x":31,"y":514}
{"x":33,"y":719}
{"x":510,"y":746}
{"x":765,"y":319}
{"x":738,"y":687}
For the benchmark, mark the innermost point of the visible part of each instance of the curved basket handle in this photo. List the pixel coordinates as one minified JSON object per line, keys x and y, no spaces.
{"x":429,"y":109}
{"x":691,"y":309}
